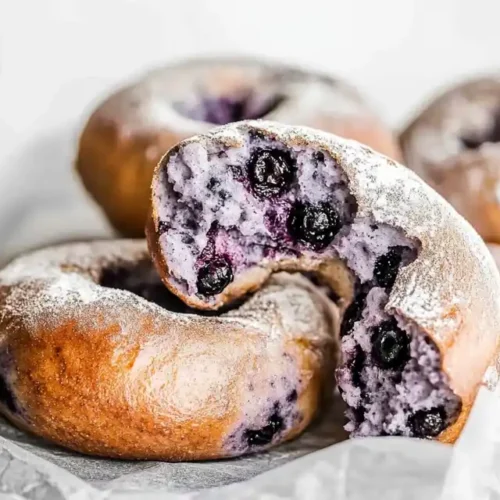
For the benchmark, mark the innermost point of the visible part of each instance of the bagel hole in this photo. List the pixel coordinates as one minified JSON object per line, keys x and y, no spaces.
{"x":492,"y":135}
{"x":224,"y":109}
{"x":314,"y":216}
{"x":7,"y":397}
{"x":142,"y":279}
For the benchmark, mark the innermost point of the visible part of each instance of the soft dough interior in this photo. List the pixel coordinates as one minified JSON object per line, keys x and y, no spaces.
{"x":223,"y":210}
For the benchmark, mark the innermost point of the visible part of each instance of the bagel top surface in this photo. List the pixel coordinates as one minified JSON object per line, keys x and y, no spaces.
{"x":191,"y":97}
{"x":134,"y":373}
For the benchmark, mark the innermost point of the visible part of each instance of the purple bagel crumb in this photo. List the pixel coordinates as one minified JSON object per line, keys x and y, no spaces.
{"x":390,"y":397}
{"x":262,"y":430}
{"x":407,"y":396}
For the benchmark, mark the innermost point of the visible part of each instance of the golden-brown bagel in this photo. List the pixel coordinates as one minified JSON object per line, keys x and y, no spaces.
{"x":454,"y":145}
{"x":97,"y":356}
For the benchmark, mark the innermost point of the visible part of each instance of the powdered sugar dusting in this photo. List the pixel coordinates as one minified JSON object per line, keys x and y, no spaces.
{"x":171,"y":97}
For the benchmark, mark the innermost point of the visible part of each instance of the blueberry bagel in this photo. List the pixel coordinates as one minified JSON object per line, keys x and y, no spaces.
{"x":127,"y":134}
{"x":422,"y":324}
{"x":454,"y":145}
{"x":97,"y":356}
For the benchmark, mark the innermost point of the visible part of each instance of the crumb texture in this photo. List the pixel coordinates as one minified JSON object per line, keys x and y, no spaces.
{"x":265,"y":201}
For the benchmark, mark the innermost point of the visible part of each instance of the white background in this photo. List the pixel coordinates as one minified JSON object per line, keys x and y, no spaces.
{"x":59,"y":57}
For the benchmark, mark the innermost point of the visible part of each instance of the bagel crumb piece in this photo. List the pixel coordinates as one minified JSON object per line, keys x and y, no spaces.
{"x":391,"y":369}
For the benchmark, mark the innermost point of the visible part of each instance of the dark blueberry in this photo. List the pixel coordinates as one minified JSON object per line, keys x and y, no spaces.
{"x":353,"y":313}
{"x":319,"y":156}
{"x":313,"y":225}
{"x":141,"y":279}
{"x":387,"y":266}
{"x":6,"y":396}
{"x":292,"y":397}
{"x":213,"y":183}
{"x":197,"y":206}
{"x":265,"y":435}
{"x":427,"y":423}
{"x":391,"y":345}
{"x":191,"y":224}
{"x":187,"y":239}
{"x":271,"y":172}
{"x":224,"y":195}
{"x":357,"y":368}
{"x":162,"y":227}
{"x":214,"y":277}
{"x":491,"y":135}
{"x":357,"y":415}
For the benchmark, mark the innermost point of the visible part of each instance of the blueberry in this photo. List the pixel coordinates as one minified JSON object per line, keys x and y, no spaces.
{"x":387,"y":266}
{"x":353,"y":313}
{"x":265,"y":435}
{"x":313,"y":225}
{"x":357,"y":415}
{"x":292,"y":396}
{"x":319,"y":156}
{"x":357,"y":368}
{"x":196,"y":205}
{"x":187,"y":239}
{"x":271,"y":172}
{"x":213,"y":183}
{"x":214,"y":277}
{"x":391,"y":346}
{"x":162,"y":227}
{"x":427,"y":423}
{"x":6,"y":396}
{"x":191,"y":224}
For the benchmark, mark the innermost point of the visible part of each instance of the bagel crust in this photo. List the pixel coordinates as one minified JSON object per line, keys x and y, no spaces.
{"x":128,"y":133}
{"x":454,"y":145}
{"x":103,"y":371}
{"x":423,"y":279}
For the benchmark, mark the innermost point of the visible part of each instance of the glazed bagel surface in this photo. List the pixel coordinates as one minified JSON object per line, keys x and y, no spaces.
{"x":127,"y":134}
{"x":99,"y":369}
{"x":404,"y":262}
